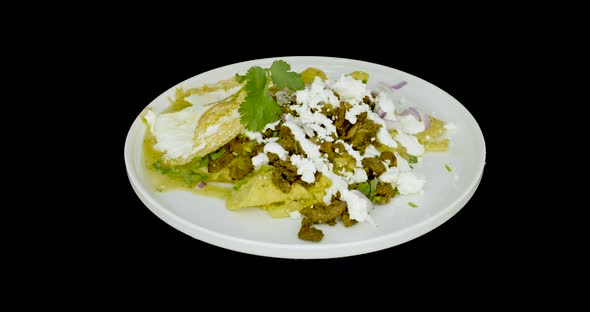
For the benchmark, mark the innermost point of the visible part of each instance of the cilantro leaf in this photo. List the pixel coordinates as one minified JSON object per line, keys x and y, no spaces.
{"x":218,"y":153}
{"x":364,"y":188}
{"x":259,"y":108}
{"x":283,"y":77}
{"x":240,"y":78}
{"x":373,"y":186}
{"x":239,"y":184}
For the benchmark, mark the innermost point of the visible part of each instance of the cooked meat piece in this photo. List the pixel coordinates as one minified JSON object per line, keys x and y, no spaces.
{"x":384,"y":192}
{"x":361,"y":139}
{"x":330,"y":111}
{"x":347,"y":220}
{"x":240,"y":167}
{"x":320,"y":213}
{"x":308,"y":232}
{"x":330,"y":149}
{"x":242,"y":146}
{"x":342,"y":125}
{"x":365,"y":131}
{"x":287,"y":141}
{"x":373,"y":166}
{"x":221,"y":162}
{"x":389,"y":155}
{"x":367,"y":101}
{"x":284,"y":174}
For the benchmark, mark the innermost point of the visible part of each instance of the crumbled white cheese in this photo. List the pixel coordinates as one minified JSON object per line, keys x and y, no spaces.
{"x":371,"y":151}
{"x":259,"y":160}
{"x":312,"y":150}
{"x":352,"y":152}
{"x":276,"y":148}
{"x":338,"y":183}
{"x":358,"y":205}
{"x":353,"y":112}
{"x":382,"y":135}
{"x":271,"y":126}
{"x":295,"y":215}
{"x":408,"y":183}
{"x":315,"y":94}
{"x":391,"y":175}
{"x":350,"y":90}
{"x":359,"y":176}
{"x":305,"y":168}
{"x":257,"y":136}
{"x":410,"y":125}
{"x":282,"y":97}
{"x":386,"y":105}
{"x":385,"y":138}
{"x":410,"y":142}
{"x":402,"y":163}
{"x":308,"y":106}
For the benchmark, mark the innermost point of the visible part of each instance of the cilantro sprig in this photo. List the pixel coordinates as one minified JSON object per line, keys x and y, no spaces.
{"x":260,"y":108}
{"x":370,"y":190}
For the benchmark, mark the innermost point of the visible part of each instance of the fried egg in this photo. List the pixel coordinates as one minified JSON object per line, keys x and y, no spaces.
{"x":197,"y":130}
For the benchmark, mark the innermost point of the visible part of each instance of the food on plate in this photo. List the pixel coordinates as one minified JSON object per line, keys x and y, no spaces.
{"x":297,"y":145}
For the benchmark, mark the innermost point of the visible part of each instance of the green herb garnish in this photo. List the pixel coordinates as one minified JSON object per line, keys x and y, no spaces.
{"x":364,"y":188}
{"x":448,"y":168}
{"x":260,"y":108}
{"x":217,"y":154}
{"x":412,"y":204}
{"x":412,"y":159}
{"x":370,"y":190}
{"x":239,"y":184}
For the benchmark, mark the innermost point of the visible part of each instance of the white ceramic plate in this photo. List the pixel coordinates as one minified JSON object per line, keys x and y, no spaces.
{"x":253,"y":231}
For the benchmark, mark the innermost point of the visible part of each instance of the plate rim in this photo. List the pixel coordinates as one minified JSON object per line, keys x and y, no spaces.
{"x":311,"y":250}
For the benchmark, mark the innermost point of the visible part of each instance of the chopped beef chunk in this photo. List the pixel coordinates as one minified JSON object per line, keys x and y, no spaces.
{"x":287,"y":141}
{"x":284,"y":173}
{"x":240,"y":167}
{"x":384,"y":192}
{"x":221,"y":162}
{"x":387,"y":155}
{"x":320,"y":213}
{"x":330,"y":149}
{"x":342,"y":125}
{"x":373,"y":166}
{"x":347,"y":220}
{"x":308,"y":232}
{"x":362,"y":133}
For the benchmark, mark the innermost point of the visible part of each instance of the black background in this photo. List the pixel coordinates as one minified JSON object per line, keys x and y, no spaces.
{"x":73,"y":230}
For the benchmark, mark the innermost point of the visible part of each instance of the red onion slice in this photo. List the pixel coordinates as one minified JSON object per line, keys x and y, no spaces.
{"x":399,"y":85}
{"x":201,"y":184}
{"x":411,"y":111}
{"x":379,"y":111}
{"x":426,"y":120}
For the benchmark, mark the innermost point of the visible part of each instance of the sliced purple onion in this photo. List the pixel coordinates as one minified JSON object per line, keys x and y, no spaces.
{"x":379,"y":111}
{"x":411,"y":111}
{"x":399,"y":85}
{"x":201,"y":184}
{"x":426,"y":120}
